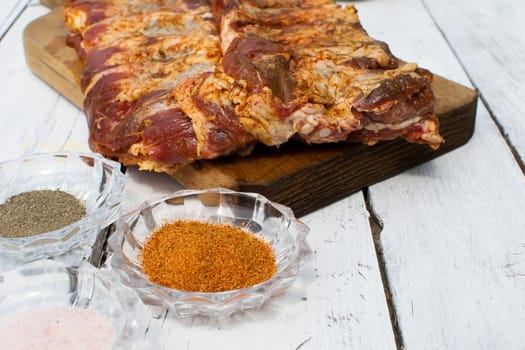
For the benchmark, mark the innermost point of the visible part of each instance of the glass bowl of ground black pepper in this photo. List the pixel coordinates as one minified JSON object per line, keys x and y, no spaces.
{"x":52,"y":305}
{"x":53,"y":202}
{"x":209,"y":252}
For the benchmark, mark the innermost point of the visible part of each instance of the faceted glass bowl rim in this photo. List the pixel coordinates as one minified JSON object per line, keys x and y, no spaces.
{"x":134,"y":276}
{"x":23,"y":244}
{"x":131,"y":315}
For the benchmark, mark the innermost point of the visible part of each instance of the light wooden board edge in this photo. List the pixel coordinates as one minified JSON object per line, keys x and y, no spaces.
{"x":49,"y":58}
{"x":53,"y":3}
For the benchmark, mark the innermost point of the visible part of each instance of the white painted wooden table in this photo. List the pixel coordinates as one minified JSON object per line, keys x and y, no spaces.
{"x":446,"y":269}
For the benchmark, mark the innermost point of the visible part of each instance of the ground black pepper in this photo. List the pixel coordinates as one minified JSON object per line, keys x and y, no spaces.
{"x":35,"y":212}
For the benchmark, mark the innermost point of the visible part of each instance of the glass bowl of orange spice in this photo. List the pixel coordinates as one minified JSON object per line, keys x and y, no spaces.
{"x":209,"y":252}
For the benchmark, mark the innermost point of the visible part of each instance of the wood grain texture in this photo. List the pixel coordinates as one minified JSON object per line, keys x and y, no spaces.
{"x":454,"y":249}
{"x":303,"y":177}
{"x":453,"y":232}
{"x":488,"y":37}
{"x":48,"y":56}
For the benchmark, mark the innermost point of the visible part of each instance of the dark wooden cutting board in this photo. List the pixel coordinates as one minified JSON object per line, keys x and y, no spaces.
{"x":302,"y":177}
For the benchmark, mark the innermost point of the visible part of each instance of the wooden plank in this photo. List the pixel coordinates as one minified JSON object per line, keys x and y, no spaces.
{"x":453,"y":249}
{"x":337,"y":301}
{"x":488,"y":38}
{"x":9,"y":12}
{"x":48,"y":56}
{"x":452,"y":237}
{"x":304,"y":178}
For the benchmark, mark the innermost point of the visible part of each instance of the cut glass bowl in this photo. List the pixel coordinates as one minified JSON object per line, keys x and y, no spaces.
{"x":96,"y":181}
{"x":272,"y":222}
{"x":47,"y":284}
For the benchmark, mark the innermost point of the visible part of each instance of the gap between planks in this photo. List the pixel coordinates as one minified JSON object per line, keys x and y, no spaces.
{"x":13,"y":16}
{"x":376,"y":227}
{"x":491,"y":113}
{"x":505,"y":136}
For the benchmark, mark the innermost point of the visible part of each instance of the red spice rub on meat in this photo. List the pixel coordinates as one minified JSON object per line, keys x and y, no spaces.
{"x":168,"y":82}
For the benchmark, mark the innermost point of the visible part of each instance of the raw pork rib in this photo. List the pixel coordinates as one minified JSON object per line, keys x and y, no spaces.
{"x":141,"y":60}
{"x":169,"y":82}
{"x":308,"y":69}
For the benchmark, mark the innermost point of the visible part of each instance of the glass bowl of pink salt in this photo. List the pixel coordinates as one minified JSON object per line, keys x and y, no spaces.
{"x":50,"y":305}
{"x":51,"y":203}
{"x":209,"y":252}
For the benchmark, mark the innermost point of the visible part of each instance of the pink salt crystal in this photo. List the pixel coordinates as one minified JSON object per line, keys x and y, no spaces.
{"x":56,"y":329}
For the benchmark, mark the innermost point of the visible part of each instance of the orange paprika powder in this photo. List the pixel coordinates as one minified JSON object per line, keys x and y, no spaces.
{"x":203,"y":257}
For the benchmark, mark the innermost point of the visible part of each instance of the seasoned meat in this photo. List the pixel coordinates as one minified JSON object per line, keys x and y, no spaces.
{"x":167,"y":82}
